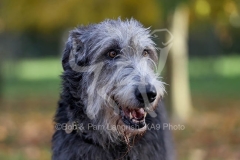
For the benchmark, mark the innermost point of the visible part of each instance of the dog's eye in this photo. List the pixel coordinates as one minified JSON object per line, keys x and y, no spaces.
{"x":145,"y":53}
{"x":112,"y":54}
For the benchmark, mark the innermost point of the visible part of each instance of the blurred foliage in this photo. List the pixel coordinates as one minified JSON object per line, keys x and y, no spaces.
{"x":48,"y":16}
{"x":36,"y":27}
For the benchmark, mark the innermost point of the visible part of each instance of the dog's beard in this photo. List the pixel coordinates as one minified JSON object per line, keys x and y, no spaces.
{"x":116,"y":129}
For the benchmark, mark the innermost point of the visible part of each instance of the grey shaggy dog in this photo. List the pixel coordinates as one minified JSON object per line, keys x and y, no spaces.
{"x":111,"y":101}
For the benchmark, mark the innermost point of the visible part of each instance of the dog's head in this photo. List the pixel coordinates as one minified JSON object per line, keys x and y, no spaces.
{"x":115,"y":61}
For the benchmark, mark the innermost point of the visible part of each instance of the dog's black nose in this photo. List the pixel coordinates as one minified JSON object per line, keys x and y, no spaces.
{"x":151,"y":93}
{"x":148,"y":91}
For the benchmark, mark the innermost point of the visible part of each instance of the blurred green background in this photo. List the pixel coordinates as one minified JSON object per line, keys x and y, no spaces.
{"x":32,"y":37}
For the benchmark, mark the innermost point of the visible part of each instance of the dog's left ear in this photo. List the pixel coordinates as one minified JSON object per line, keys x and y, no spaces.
{"x":74,"y":49}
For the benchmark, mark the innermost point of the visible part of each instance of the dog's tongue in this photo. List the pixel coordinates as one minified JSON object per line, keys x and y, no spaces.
{"x":138,"y":113}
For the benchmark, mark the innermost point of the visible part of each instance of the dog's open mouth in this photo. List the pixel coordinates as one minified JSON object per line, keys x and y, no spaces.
{"x":134,"y":118}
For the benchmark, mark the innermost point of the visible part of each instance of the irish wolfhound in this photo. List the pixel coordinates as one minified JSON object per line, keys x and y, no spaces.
{"x":110,"y":106}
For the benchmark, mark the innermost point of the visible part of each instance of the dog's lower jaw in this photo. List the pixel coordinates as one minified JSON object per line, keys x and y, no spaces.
{"x":129,"y":132}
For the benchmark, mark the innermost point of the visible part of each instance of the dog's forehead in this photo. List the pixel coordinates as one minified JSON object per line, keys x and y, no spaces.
{"x":129,"y":36}
{"x":125,"y":33}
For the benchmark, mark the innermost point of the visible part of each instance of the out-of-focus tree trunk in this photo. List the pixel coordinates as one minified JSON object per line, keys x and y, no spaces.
{"x":1,"y":78}
{"x":178,"y":65}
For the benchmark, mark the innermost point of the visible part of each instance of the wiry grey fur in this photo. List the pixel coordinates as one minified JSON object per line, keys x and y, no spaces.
{"x":93,"y":82}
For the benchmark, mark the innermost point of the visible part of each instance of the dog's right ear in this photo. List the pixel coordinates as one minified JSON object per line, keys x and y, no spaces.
{"x":74,"y":50}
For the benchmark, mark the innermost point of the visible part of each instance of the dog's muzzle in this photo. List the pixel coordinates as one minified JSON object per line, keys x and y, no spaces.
{"x":135,"y":116}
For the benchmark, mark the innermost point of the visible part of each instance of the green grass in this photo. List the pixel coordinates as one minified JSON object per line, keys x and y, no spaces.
{"x":215,"y":66}
{"x":30,"y":69}
{"x":32,"y":78}
{"x":215,"y":76}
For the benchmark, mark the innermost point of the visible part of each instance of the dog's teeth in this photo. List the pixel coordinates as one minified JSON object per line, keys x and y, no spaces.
{"x":130,"y":115}
{"x":135,"y":121}
{"x":145,"y":114}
